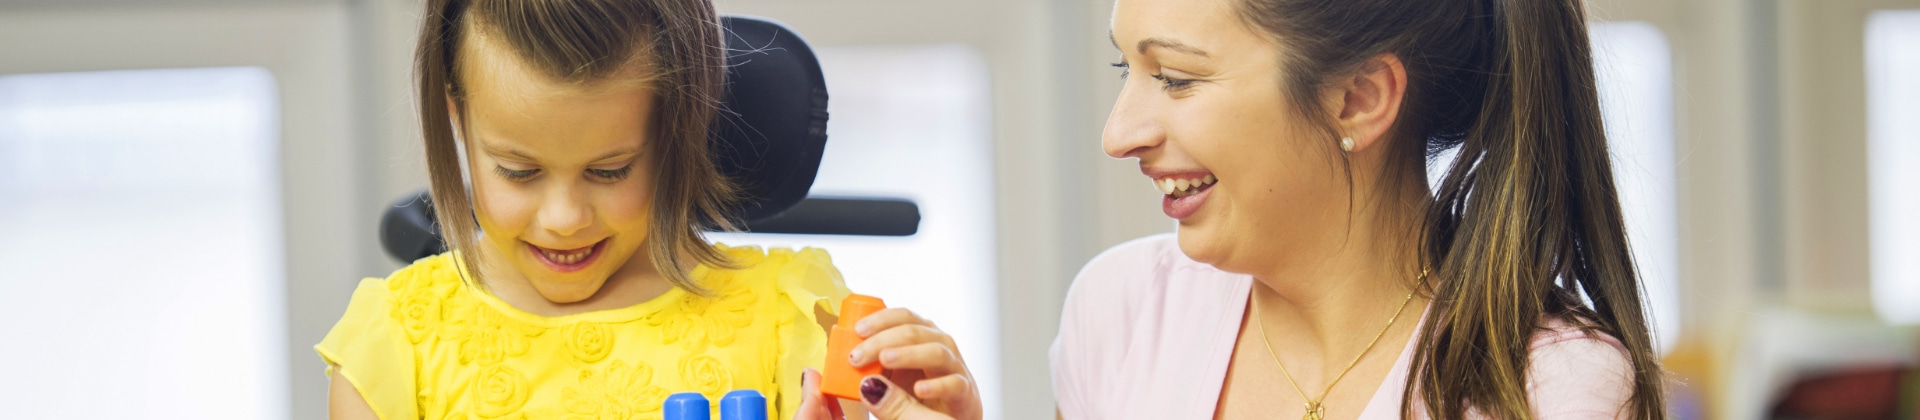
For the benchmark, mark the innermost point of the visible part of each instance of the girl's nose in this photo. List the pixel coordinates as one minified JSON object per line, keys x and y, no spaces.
{"x":565,"y":212}
{"x":1131,"y":131}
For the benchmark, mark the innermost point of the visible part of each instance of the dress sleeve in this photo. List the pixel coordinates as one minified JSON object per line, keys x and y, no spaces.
{"x":808,"y":280}
{"x":1573,"y":375}
{"x":371,"y":350}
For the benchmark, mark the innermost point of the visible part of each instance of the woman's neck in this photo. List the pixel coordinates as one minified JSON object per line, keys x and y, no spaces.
{"x":1340,"y":302}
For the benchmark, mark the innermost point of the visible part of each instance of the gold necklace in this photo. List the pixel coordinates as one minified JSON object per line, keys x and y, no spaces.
{"x":1315,"y":411}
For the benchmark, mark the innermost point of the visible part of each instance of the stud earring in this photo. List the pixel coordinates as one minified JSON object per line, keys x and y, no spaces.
{"x":1346,"y":144}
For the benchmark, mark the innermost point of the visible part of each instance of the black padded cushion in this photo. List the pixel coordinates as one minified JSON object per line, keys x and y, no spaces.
{"x":773,"y":122}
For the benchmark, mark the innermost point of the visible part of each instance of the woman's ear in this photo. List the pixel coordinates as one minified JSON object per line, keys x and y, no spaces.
{"x":1369,"y":100}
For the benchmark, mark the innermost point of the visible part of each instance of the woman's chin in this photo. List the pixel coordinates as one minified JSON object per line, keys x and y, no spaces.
{"x":1200,"y":244}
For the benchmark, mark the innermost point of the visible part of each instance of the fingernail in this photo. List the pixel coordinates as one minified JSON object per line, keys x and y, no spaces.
{"x":853,"y":357}
{"x":803,"y":377}
{"x":887,"y":356}
{"x":874,"y":390}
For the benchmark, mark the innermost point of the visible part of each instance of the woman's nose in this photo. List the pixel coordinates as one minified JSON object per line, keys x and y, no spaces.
{"x":1131,"y":130}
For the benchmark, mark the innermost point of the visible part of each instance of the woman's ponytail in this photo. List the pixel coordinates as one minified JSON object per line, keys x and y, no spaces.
{"x":1526,"y":224}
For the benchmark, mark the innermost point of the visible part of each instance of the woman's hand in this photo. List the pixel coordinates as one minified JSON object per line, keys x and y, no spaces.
{"x":926,"y":378}
{"x":925,"y":373}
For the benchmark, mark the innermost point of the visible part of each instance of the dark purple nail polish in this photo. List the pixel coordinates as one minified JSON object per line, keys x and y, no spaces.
{"x":874,"y":390}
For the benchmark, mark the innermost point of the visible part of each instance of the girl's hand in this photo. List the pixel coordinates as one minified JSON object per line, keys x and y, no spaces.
{"x":813,"y":404}
{"x":926,"y":377}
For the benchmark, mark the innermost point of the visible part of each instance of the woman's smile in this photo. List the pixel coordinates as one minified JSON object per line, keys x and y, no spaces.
{"x":1184,"y":192}
{"x":567,"y":260}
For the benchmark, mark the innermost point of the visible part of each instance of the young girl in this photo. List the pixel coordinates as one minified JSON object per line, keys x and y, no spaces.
{"x":578,"y":285}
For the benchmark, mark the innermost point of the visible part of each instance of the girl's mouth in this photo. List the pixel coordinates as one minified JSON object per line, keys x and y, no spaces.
{"x":1184,"y":193}
{"x":567,"y":260}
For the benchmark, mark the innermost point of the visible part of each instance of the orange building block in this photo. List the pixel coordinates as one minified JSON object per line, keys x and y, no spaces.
{"x":839,"y":378}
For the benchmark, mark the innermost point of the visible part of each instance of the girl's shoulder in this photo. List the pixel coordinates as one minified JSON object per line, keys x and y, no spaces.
{"x":804,"y":277}
{"x":441,"y":273}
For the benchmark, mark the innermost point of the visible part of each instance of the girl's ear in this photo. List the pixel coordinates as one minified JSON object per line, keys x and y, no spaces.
{"x":453,"y":109}
{"x":1369,"y":101}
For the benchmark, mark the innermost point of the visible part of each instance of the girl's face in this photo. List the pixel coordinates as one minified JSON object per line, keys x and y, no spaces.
{"x":1204,"y":109}
{"x":560,"y":183}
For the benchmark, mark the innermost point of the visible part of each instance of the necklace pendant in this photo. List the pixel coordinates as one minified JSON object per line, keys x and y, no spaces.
{"x":1315,"y":411}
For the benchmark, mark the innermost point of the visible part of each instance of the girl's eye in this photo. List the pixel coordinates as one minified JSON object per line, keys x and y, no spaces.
{"x":1124,"y":68}
{"x":1171,"y":84}
{"x":515,"y":175}
{"x":612,"y":174}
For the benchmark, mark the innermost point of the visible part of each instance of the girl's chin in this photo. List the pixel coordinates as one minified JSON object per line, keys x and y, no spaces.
{"x":565,"y":291}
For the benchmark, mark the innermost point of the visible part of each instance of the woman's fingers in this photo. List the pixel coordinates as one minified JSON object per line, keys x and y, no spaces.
{"x":950,"y":388}
{"x":888,"y":318}
{"x":888,"y":402}
{"x":935,"y":358}
{"x":813,"y":404}
{"x":896,"y":337}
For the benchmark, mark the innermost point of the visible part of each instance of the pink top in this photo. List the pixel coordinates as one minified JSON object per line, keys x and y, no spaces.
{"x":1147,"y":333}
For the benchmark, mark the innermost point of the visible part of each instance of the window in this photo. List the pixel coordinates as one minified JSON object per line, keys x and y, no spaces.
{"x":140,"y":245}
{"x":1634,"y":67}
{"x":912,"y":122}
{"x":1893,"y":163}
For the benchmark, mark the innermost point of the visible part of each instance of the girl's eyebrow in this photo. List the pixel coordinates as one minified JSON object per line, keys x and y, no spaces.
{"x":509,"y":151}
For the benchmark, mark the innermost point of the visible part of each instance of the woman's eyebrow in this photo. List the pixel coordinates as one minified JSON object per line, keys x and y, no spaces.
{"x":1168,"y":44}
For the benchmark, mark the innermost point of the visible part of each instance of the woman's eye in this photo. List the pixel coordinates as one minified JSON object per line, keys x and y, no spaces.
{"x":1171,"y":84}
{"x":612,"y":174}
{"x":515,"y":175}
{"x":1124,"y":69}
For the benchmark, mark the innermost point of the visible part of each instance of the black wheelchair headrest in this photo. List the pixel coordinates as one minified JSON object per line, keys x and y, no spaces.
{"x":773,"y":122}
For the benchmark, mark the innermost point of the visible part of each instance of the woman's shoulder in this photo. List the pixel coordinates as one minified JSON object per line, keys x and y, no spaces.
{"x":1142,"y":269}
{"x":1147,"y":281}
{"x":1577,"y":372}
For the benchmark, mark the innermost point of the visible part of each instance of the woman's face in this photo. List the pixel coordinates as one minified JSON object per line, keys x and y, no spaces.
{"x":1204,"y":107}
{"x":560,"y":185}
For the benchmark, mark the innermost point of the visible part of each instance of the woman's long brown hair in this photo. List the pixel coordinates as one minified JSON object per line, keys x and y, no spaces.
{"x":676,"y":44}
{"x":1526,"y":222}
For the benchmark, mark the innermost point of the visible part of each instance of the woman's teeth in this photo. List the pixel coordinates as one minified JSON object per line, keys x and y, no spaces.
{"x":567,"y":258}
{"x":1184,"y":186}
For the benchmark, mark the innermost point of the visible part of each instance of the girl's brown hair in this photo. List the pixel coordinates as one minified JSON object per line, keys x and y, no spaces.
{"x":1526,"y":221}
{"x":675,"y":43}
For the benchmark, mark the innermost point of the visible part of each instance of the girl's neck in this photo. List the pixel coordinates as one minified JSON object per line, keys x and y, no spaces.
{"x":633,"y":284}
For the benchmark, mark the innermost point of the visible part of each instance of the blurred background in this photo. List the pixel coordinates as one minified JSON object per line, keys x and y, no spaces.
{"x":190,"y":189}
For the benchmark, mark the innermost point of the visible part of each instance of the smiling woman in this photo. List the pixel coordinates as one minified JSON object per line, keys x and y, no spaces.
{"x":1290,"y":140}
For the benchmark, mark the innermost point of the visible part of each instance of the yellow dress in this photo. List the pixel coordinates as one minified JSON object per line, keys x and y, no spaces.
{"x":422,"y":344}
